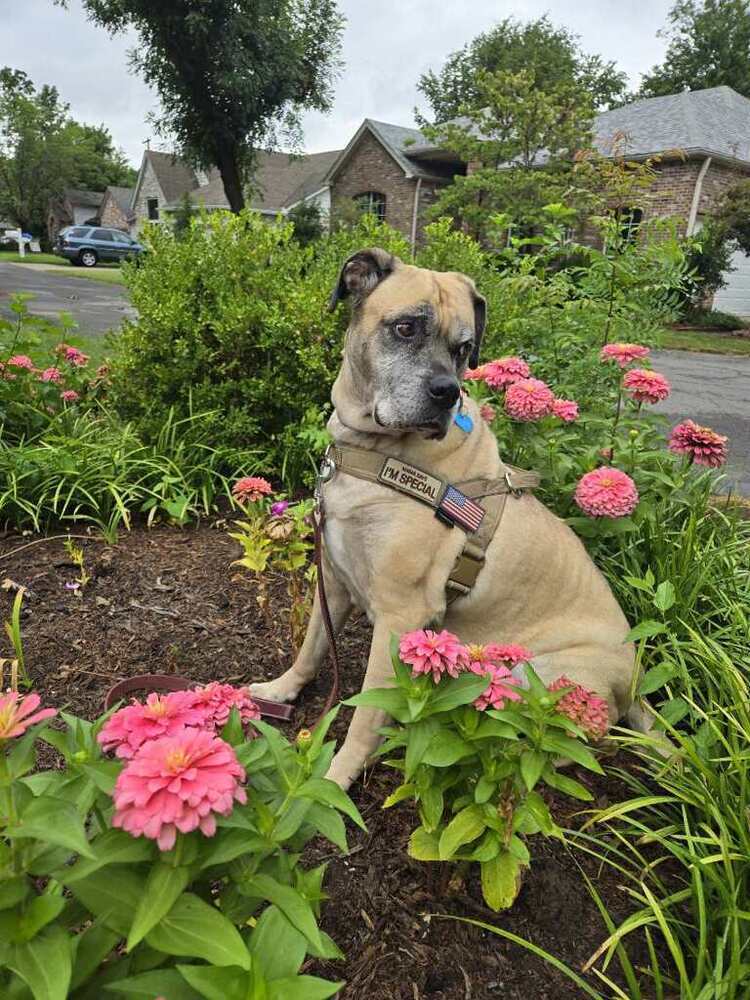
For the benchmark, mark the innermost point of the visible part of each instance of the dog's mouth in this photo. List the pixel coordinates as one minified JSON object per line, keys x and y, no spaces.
{"x":434,"y":429}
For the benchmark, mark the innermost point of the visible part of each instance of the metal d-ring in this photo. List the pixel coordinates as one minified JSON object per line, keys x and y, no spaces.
{"x":511,"y":488}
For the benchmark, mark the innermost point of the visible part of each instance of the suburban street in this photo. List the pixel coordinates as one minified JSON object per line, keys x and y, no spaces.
{"x":96,"y":306}
{"x":714,"y":390}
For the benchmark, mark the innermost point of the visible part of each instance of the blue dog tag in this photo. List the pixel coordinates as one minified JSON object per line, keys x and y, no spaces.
{"x":464,"y":421}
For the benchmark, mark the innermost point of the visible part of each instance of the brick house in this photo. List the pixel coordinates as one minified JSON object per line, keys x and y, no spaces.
{"x":281,"y":181}
{"x":115,"y":209}
{"x":73,"y":208}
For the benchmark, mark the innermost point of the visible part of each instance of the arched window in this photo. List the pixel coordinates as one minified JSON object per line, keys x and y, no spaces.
{"x":372,"y":203}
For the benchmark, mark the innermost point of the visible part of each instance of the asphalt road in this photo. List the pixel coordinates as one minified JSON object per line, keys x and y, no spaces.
{"x":96,"y":306}
{"x":713,"y":390}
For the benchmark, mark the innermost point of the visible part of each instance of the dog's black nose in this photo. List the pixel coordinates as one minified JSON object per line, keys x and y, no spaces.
{"x":445,"y":390}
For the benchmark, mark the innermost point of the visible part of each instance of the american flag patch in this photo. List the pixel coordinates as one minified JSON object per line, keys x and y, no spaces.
{"x":461,"y":509}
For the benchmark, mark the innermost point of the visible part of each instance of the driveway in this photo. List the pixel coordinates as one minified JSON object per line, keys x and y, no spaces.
{"x":95,"y":306}
{"x":714,"y":390}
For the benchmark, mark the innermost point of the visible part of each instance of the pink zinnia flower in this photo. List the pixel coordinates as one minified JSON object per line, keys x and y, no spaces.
{"x":483,"y":658}
{"x":583,"y":706}
{"x":703,"y":445}
{"x":251,"y":488}
{"x":646,"y":386}
{"x":504,"y":371}
{"x":606,"y":492}
{"x":162,"y":715}
{"x":51,"y":375}
{"x":565,"y":409}
{"x":21,"y":361}
{"x":474,"y":374}
{"x":217,"y":700}
{"x":178,"y":783}
{"x":16,"y":717}
{"x":529,"y":399}
{"x":437,"y":653}
{"x":76,"y":357}
{"x":69,"y":396}
{"x":487,"y":413}
{"x":623,"y":354}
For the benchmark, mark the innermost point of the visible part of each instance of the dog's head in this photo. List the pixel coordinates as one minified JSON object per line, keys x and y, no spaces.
{"x":413,"y":333}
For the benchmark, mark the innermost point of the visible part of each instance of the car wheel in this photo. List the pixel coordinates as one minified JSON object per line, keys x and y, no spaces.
{"x":88,"y":258}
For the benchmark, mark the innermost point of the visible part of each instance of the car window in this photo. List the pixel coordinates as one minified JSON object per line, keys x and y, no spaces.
{"x":77,"y":234}
{"x":102,"y":234}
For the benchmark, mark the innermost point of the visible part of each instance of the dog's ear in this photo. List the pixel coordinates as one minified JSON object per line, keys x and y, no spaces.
{"x":480,"y":320}
{"x":362,"y":272}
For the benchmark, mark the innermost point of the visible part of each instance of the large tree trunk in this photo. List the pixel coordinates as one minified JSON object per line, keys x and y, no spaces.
{"x":231,"y":178}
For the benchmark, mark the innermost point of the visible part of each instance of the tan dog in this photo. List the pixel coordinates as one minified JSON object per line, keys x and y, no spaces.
{"x":412,"y":334}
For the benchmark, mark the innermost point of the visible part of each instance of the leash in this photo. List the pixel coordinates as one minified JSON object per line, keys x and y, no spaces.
{"x":333,"y":694}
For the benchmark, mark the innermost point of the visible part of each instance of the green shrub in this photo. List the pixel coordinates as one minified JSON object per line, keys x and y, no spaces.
{"x":713,"y":319}
{"x":234,"y":316}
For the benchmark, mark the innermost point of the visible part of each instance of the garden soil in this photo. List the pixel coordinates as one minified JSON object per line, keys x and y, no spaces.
{"x":169,"y":601}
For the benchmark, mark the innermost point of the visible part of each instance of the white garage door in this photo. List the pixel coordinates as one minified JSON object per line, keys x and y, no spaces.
{"x":735,"y":296}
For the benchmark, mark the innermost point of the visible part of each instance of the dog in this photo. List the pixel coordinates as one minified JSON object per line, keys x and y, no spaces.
{"x":412,"y":335}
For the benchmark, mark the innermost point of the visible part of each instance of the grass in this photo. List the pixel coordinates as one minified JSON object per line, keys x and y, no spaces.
{"x":703,"y":340}
{"x":111,"y":275}
{"x":47,"y":258}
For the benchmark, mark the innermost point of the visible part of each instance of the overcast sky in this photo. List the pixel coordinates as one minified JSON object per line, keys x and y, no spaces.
{"x":387,"y":45}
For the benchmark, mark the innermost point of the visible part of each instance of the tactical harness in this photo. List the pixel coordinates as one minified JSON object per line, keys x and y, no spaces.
{"x":431,"y":489}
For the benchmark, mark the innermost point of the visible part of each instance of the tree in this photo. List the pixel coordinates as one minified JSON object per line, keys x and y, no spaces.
{"x":230,"y":73}
{"x":709,"y":46}
{"x":183,"y":215}
{"x":552,"y":55}
{"x":733,"y":213}
{"x":307,"y":221}
{"x":521,"y":143}
{"x":43,"y":151}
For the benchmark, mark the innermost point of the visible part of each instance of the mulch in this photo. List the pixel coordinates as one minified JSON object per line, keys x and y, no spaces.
{"x":168,"y":601}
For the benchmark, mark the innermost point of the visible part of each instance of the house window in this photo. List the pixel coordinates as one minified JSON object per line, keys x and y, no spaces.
{"x":371,"y":203}
{"x":152,"y":207}
{"x":629,"y":220}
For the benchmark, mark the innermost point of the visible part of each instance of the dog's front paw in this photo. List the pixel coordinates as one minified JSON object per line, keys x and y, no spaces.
{"x":281,"y":689}
{"x":344,"y":770}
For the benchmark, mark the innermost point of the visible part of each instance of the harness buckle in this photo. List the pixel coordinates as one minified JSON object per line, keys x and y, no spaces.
{"x":514,"y":490}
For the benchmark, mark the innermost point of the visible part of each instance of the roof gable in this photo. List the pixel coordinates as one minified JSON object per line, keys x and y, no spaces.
{"x":397,"y":140}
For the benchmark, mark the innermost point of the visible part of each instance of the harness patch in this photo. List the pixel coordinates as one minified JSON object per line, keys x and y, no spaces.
{"x":416,"y":483}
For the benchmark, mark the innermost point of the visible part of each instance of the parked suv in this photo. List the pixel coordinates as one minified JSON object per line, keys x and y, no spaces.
{"x":85,"y":246}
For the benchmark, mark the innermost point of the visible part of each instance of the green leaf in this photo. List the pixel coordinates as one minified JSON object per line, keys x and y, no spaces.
{"x":328,"y":792}
{"x":656,"y":678}
{"x":644,"y":630}
{"x":459,"y":690}
{"x":163,"y":886}
{"x":420,"y":735}
{"x":390,"y":700}
{"x":539,"y":809}
{"x":567,"y":785}
{"x":445,"y":748}
{"x":424,"y":845}
{"x":491,"y":728}
{"x":45,"y":963}
{"x":329,"y":823}
{"x":465,"y":826}
{"x":484,"y":790}
{"x":13,"y":890}
{"x":575,"y":750}
{"x":431,"y":806}
{"x":276,"y":945}
{"x":302,"y":988}
{"x":229,"y":844}
{"x":294,"y":907}
{"x":92,"y":947}
{"x":103,"y":773}
{"x":41,"y":911}
{"x":216,"y":984}
{"x":112,"y":894}
{"x":54,"y":821}
{"x":406,"y":791}
{"x":113,"y":847}
{"x":194,"y":929}
{"x":162,"y":983}
{"x":533,"y":763}
{"x":674,"y":711}
{"x":501,"y":881}
{"x":665,"y":596}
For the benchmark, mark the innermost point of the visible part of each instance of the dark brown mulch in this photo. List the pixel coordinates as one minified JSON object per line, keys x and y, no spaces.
{"x":168,"y":601}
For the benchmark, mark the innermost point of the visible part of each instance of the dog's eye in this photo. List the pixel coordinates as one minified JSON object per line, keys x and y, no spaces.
{"x":463,"y":350}
{"x":405,"y":328}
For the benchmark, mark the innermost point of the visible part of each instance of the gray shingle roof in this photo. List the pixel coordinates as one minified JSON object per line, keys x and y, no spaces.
{"x":122,"y":198}
{"x":88,"y":199}
{"x":715,"y":122}
{"x":175,"y":176}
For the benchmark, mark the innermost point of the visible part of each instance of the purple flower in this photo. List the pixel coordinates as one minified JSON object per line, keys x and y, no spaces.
{"x":279,"y":508}
{"x":72,"y":586}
